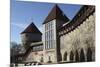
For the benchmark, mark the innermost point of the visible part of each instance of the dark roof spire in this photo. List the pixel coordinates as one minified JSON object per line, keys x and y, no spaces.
{"x":56,"y":13}
{"x":31,"y":29}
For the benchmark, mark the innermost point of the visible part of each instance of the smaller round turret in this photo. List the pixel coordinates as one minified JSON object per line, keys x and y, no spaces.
{"x":30,"y":34}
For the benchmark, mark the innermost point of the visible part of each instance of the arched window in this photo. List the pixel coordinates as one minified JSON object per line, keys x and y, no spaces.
{"x":76,"y":56}
{"x":41,"y":59}
{"x":49,"y":60}
{"x":65,"y":56}
{"x":71,"y":56}
{"x":82,"y":56}
{"x":89,"y":54}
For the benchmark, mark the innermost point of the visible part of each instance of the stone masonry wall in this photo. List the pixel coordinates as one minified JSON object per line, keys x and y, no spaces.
{"x":81,"y":38}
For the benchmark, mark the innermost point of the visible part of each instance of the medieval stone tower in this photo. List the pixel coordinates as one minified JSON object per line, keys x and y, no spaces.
{"x":54,"y":21}
{"x":30,"y":34}
{"x":63,"y":40}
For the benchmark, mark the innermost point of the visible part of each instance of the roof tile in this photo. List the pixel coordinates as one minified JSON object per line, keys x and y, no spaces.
{"x":31,"y":29}
{"x":56,"y":13}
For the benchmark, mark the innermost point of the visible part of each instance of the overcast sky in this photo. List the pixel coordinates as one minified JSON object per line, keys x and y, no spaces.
{"x":23,"y":13}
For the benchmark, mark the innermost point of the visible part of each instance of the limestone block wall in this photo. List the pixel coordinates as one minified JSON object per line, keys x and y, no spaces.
{"x":31,"y":37}
{"x":28,"y":38}
{"x":35,"y":56}
{"x":50,"y":56}
{"x":82,"y":38}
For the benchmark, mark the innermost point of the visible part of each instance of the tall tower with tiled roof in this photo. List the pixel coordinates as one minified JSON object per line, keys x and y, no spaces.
{"x":56,"y":13}
{"x":30,"y":34}
{"x":55,"y":20}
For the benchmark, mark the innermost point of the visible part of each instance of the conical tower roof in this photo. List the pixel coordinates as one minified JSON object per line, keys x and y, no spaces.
{"x":31,"y":29}
{"x":56,"y":13}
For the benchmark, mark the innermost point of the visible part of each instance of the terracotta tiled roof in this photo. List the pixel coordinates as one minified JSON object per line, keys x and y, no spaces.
{"x":31,"y":29}
{"x":56,"y":13}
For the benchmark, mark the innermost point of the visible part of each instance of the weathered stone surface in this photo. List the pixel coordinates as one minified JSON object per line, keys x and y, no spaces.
{"x":82,"y":37}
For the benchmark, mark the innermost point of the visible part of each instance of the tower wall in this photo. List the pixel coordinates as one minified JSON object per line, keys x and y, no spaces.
{"x":52,"y":53}
{"x":31,"y":37}
{"x":28,"y":38}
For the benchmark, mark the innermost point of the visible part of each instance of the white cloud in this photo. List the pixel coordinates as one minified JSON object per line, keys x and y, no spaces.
{"x":20,"y":25}
{"x":41,"y":29}
{"x":24,"y":25}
